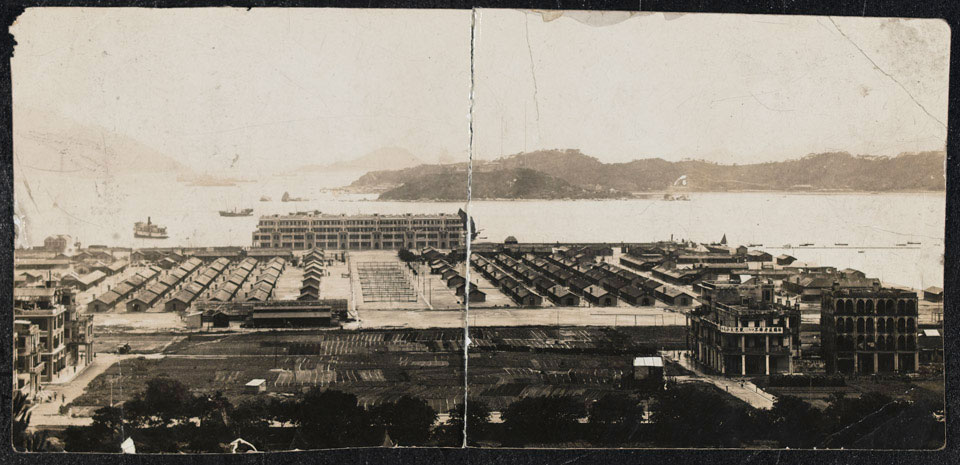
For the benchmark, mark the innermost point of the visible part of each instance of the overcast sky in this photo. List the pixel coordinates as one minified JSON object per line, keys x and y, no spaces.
{"x":278,"y":88}
{"x":728,"y":88}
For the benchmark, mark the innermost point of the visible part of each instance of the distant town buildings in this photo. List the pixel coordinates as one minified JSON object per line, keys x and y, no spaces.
{"x":303,"y":231}
{"x":58,"y":244}
{"x":811,"y":286}
{"x":933,"y":294}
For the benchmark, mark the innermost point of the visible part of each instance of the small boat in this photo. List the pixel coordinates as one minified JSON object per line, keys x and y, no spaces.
{"x":754,"y":245}
{"x":842,"y":244}
{"x":913,"y":243}
{"x":149,"y":230}
{"x":859,"y":251}
{"x":901,"y":245}
{"x":787,"y":246}
{"x":265,"y":199}
{"x":235,"y":212}
{"x":806,"y":244}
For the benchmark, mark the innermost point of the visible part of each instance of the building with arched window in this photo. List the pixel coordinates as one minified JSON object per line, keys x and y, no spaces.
{"x":865,"y":331}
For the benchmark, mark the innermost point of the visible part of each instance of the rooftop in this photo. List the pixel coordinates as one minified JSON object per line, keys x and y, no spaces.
{"x":648,"y":362}
{"x":321,"y":215}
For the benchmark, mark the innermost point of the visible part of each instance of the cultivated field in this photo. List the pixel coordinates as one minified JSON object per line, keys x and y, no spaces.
{"x":379,"y":365}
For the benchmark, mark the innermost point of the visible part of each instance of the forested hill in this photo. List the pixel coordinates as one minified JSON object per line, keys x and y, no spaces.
{"x":515,"y":183}
{"x":571,"y":174}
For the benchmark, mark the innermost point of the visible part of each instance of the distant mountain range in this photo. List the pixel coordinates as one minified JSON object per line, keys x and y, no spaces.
{"x":558,"y":174}
{"x":56,"y":144}
{"x":396,"y":157}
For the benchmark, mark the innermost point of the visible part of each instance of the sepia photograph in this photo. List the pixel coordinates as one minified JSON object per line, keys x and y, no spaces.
{"x":290,"y":229}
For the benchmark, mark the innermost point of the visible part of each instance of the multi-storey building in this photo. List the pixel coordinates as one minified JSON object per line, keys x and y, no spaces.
{"x":867,"y":331}
{"x":27,"y":368}
{"x":738,"y":330}
{"x":77,"y":331}
{"x":302,"y":231}
{"x":50,"y":321}
{"x":65,"y":334}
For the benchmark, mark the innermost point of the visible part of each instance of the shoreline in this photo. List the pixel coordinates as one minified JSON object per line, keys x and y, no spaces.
{"x":658,"y":196}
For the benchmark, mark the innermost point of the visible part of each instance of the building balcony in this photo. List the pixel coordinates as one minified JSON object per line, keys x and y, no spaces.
{"x":81,"y":339}
{"x":750,"y":330}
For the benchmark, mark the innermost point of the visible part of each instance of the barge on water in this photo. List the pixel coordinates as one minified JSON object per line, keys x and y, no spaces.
{"x":235,"y":212}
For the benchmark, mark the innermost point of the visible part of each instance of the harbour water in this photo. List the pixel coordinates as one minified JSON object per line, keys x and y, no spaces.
{"x":103,"y":212}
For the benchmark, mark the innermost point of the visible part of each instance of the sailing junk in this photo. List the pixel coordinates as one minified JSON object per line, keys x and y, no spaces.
{"x":149,"y":230}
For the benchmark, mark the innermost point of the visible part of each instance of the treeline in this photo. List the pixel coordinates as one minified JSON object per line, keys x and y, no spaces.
{"x":166,"y":417}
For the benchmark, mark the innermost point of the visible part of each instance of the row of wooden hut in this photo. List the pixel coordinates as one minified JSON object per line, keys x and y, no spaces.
{"x":182,"y":300}
{"x":455,"y":280}
{"x":228,"y":290}
{"x":313,"y":272}
{"x":511,"y":286}
{"x":267,"y":281}
{"x":152,"y":294}
{"x":108,"y":300}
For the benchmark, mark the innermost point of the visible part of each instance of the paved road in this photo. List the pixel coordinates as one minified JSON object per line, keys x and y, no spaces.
{"x":48,"y":413}
{"x":740,"y":388}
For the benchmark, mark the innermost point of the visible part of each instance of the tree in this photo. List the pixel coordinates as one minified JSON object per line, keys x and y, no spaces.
{"x":542,"y":420}
{"x":409,"y":420}
{"x":456,"y":256}
{"x":795,"y":423}
{"x":406,"y":256}
{"x":21,"y":420}
{"x":332,"y":419}
{"x":616,"y":418}
{"x":212,"y":432}
{"x":164,"y":401}
{"x":850,"y":418}
{"x":450,"y":434}
{"x":24,"y":441}
{"x":688,"y":415}
{"x":251,"y":420}
{"x":844,"y":411}
{"x":103,"y":435}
